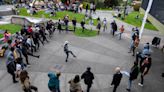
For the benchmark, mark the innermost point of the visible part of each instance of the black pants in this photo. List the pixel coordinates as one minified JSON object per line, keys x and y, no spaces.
{"x":31,"y":88}
{"x":13,"y":76}
{"x":142,"y":79}
{"x":67,"y":53}
{"x":88,"y":87}
{"x":115,"y":87}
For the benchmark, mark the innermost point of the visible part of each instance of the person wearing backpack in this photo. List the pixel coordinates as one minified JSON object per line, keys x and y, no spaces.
{"x":67,"y":51}
{"x":133,"y":75}
{"x":88,"y":78}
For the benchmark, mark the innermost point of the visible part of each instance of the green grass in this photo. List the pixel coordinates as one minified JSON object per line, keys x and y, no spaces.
{"x":86,"y":33}
{"x":12,"y":28}
{"x":109,"y":9}
{"x":79,"y":17}
{"x":130,"y":19}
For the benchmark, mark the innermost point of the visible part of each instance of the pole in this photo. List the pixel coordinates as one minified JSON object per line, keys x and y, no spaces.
{"x":145,"y":17}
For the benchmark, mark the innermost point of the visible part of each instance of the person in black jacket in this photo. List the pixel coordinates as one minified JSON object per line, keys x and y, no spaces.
{"x":116,"y":79}
{"x":83,"y":25}
{"x":88,"y":78}
{"x":74,"y":24}
{"x":133,"y":75}
{"x":10,"y":64}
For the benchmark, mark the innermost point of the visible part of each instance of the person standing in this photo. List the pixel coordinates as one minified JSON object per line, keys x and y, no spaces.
{"x":75,"y":85}
{"x":67,"y":51}
{"x":25,"y":81}
{"x":74,"y":24}
{"x":83,"y":25}
{"x":59,"y":26}
{"x":133,"y":75}
{"x":87,"y":6}
{"x":104,"y":24}
{"x":144,"y":69}
{"x":121,"y":31}
{"x":66,"y":21}
{"x":99,"y":27}
{"x":88,"y":78}
{"x":10,"y":64}
{"x":54,"y":82}
{"x":114,"y":27}
{"x":116,"y":79}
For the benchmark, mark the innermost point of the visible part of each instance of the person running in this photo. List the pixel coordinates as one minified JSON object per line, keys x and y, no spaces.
{"x":10,"y":64}
{"x":67,"y":51}
{"x":116,"y":79}
{"x":75,"y":85}
{"x":144,"y":69}
{"x":25,"y":81}
{"x":133,"y":75}
{"x":54,"y":82}
{"x":88,"y":78}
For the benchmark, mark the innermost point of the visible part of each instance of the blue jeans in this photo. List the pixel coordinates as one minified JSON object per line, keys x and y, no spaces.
{"x":129,"y":84}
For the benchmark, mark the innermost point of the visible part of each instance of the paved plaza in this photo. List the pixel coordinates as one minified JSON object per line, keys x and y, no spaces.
{"x":102,"y":53}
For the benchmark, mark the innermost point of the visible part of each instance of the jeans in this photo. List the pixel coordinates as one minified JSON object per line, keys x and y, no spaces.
{"x":115,"y":87}
{"x":120,"y":35}
{"x":67,"y":53}
{"x":142,"y":79}
{"x":129,"y":84}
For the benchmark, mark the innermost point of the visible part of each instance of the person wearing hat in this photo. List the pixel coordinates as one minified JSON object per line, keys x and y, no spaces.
{"x":67,"y":51}
{"x":116,"y":79}
{"x":88,"y":78}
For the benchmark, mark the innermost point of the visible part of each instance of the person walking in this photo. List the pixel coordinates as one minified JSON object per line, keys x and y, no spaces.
{"x":66,"y":21}
{"x":54,"y":82}
{"x":59,"y":26}
{"x":144,"y":69}
{"x":83,"y":25}
{"x":87,"y":6}
{"x":116,"y":78}
{"x":88,"y":78}
{"x":133,"y":75}
{"x":25,"y":81}
{"x":99,"y":27}
{"x":67,"y":51}
{"x":74,"y":24}
{"x":10,"y":64}
{"x":121,"y":31}
{"x":114,"y":27}
{"x":75,"y":85}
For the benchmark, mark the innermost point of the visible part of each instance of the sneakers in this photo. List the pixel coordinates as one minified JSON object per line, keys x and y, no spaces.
{"x":128,"y":89}
{"x":140,"y":84}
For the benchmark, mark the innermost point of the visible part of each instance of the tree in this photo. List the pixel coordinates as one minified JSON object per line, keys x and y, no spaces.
{"x":111,"y":3}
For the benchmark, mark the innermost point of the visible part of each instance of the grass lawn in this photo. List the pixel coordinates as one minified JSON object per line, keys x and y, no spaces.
{"x":12,"y":28}
{"x":79,"y":17}
{"x":130,"y":19}
{"x":86,"y":33}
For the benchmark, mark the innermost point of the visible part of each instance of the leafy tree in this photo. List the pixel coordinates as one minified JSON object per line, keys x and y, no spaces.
{"x":111,"y":3}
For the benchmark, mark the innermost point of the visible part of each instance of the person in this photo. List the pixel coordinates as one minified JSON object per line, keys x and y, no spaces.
{"x":87,"y":6}
{"x":134,"y":44}
{"x":10,"y":64}
{"x":75,"y":85}
{"x":114,"y":27}
{"x":83,"y":25}
{"x":67,"y":51}
{"x":116,"y":79}
{"x":54,"y":82}
{"x":104,"y":24}
{"x":66,"y":21}
{"x":98,"y":27}
{"x":88,"y":78}
{"x":144,"y":69}
{"x":91,"y":8}
{"x":59,"y":26}
{"x":43,"y":34}
{"x":74,"y":24}
{"x":121,"y":31}
{"x":94,"y":8}
{"x":30,"y":43}
{"x":133,"y":75}
{"x":25,"y":81}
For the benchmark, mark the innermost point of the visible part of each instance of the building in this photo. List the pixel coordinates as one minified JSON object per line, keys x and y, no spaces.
{"x":156,"y":14}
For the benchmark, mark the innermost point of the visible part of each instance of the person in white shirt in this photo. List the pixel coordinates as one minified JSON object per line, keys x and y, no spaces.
{"x":105,"y":24}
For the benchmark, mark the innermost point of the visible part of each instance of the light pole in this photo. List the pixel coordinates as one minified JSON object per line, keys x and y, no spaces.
{"x":145,"y":18}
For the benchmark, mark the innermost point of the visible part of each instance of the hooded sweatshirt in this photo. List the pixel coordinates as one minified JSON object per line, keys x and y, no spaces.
{"x":53,"y":80}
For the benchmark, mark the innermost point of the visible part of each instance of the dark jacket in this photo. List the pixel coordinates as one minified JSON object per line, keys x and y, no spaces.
{"x":11,"y":67}
{"x":116,"y":79}
{"x":88,"y":77}
{"x":134,"y":73}
{"x":53,"y":80}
